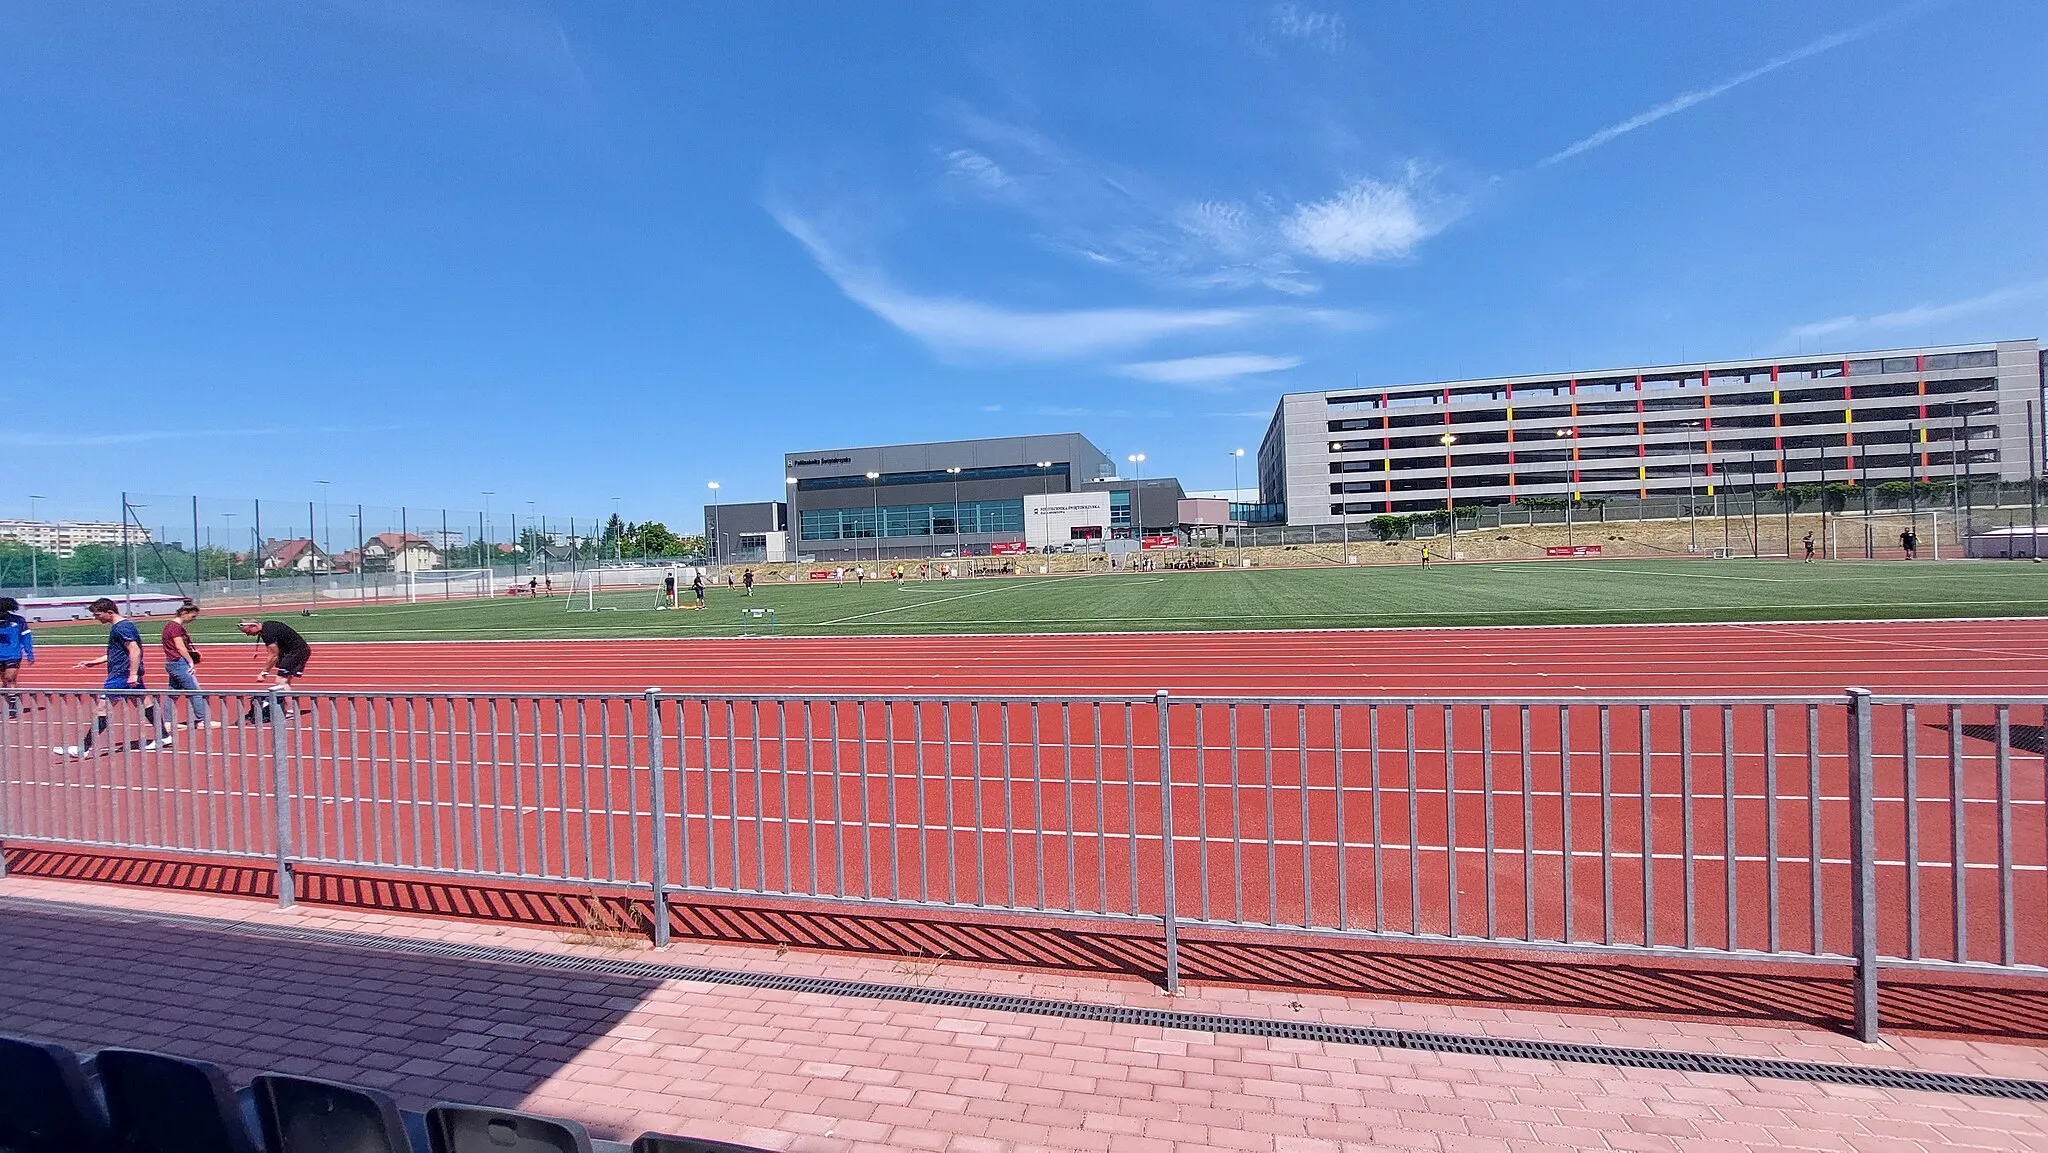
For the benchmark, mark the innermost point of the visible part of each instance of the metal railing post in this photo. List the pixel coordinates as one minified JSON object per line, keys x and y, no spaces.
{"x":280,"y":787}
{"x":1863,"y":865}
{"x":658,"y":839}
{"x":1168,"y":906}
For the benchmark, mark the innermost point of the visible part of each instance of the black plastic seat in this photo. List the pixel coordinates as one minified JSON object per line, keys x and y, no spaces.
{"x":46,"y":1103}
{"x":162,"y":1104}
{"x":663,"y":1143}
{"x":468,"y":1129}
{"x":302,"y":1115}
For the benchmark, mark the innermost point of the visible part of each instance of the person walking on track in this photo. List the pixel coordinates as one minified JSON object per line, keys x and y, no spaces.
{"x":124,"y":681}
{"x":181,"y":657}
{"x":285,"y":654}
{"x":17,"y":648}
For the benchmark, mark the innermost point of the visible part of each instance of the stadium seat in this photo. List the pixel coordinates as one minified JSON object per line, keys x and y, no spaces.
{"x":47,"y":1105}
{"x":468,"y":1129}
{"x":301,"y":1115}
{"x":663,"y":1143}
{"x":160,"y":1104}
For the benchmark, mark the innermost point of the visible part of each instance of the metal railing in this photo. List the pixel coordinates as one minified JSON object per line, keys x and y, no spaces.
{"x":1871,"y":832}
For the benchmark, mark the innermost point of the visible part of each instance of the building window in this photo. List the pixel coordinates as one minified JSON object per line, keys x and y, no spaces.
{"x":934,"y":476}
{"x":910,"y":520}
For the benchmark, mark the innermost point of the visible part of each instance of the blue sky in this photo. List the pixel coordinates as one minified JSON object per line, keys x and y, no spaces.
{"x":566,"y":253}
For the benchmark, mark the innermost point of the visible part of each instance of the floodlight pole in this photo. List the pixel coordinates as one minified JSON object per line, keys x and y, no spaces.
{"x":33,"y":578}
{"x":1236,"y":455}
{"x":2033,"y":490}
{"x":954,"y":472}
{"x":1450,"y":499}
{"x":875,"y":510}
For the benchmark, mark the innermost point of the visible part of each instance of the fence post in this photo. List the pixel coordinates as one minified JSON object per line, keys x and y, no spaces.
{"x":658,"y":841}
{"x":1863,"y":864}
{"x":281,"y":789}
{"x":1168,"y":907}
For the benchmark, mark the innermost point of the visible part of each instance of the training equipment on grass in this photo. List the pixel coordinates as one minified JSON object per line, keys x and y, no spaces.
{"x":446,"y":584}
{"x":1876,"y":534}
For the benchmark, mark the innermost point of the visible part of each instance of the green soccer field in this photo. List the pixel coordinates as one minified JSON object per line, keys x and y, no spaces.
{"x":1539,"y":593}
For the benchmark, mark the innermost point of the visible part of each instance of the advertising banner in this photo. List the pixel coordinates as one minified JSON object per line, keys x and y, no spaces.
{"x":820,"y":575}
{"x":1160,"y":542}
{"x":1008,"y":548}
{"x":1572,"y":550}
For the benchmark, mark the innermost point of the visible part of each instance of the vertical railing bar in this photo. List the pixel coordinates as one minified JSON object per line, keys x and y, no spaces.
{"x":980,"y":828}
{"x":952,"y":823}
{"x":1272,"y":828}
{"x":782,"y":775}
{"x":1337,"y":779}
{"x":498,"y":783}
{"x":1606,"y":827}
{"x":1774,"y":939}
{"x":657,"y":832}
{"x":583,"y":798}
{"x":1414,"y":828}
{"x":1009,"y":808}
{"x":867,"y":823}
{"x":1372,"y":764}
{"x":2006,"y":941}
{"x":889,"y":782}
{"x":519,"y":790}
{"x":811,"y":789}
{"x":1813,"y":821}
{"x":1101,"y":811}
{"x":1486,"y":803}
{"x":1689,"y":848}
{"x":1131,"y":798}
{"x":1037,"y":800}
{"x":476,"y":792}
{"x":732,"y":789}
{"x":1564,"y":814}
{"x":1909,"y":742}
{"x":1863,"y":865}
{"x":924,"y":892}
{"x":760,"y":800}
{"x":1450,"y":822}
{"x":281,"y":796}
{"x":1958,"y":835}
{"x":1169,"y":902}
{"x":1728,"y":817}
{"x":561,"y":785}
{"x":1307,"y":834}
{"x":838,"y":806}
{"x":1202,"y":805}
{"x":1644,"y":754}
{"x":1067,"y":783}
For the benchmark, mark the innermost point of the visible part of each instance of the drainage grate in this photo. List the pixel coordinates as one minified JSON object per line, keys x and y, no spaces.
{"x":1869,"y":1076}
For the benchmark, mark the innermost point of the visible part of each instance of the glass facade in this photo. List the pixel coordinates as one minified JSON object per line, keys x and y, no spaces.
{"x":934,"y":476}
{"x":912,"y":520}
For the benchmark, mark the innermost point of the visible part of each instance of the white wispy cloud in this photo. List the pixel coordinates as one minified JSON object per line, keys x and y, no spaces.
{"x":1372,"y":220}
{"x":1215,"y":368}
{"x":954,"y":326}
{"x":1922,"y":315}
{"x":1109,"y":216}
{"x":1685,"y":100}
{"x":1318,"y":29}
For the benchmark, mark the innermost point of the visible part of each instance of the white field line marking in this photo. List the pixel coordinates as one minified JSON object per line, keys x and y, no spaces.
{"x":943,"y":600}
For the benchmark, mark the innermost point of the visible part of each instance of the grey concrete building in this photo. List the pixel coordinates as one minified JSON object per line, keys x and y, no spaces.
{"x":963,"y":496}
{"x":748,"y":531}
{"x":1902,"y":414}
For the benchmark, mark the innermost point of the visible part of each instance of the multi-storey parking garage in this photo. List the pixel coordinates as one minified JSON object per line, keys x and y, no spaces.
{"x":1917,"y":414}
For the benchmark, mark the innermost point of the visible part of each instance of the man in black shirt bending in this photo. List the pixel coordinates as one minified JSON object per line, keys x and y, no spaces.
{"x":285,"y":652}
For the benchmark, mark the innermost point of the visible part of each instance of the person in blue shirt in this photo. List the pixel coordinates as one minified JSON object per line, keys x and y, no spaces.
{"x":124,"y":681}
{"x":17,"y":648}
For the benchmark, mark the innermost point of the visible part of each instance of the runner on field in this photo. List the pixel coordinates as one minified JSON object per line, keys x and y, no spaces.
{"x":285,"y":655}
{"x":749,"y":582}
{"x":17,"y":647}
{"x":124,"y":679}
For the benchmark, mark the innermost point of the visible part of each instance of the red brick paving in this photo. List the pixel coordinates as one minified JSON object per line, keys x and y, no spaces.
{"x":801,"y":1071}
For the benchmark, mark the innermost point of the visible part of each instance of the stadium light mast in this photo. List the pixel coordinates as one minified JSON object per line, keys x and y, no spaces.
{"x":717,"y":552}
{"x":875,"y":510}
{"x":1570,"y":494}
{"x":789,"y":530}
{"x":1137,"y":461}
{"x":326,"y":526}
{"x":954,"y":472}
{"x":1236,"y":455}
{"x":1450,"y":500}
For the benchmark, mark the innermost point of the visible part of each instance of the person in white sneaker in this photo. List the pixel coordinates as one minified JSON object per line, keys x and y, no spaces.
{"x":181,"y":656}
{"x":124,"y":681}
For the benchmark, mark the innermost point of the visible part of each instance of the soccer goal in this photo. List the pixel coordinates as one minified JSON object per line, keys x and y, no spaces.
{"x":1882,"y":535}
{"x":445,"y":584}
{"x":636,"y":588}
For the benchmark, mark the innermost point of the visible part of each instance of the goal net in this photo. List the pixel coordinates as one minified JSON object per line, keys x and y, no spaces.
{"x":1883,"y":535}
{"x":446,"y":584}
{"x":633,"y":588}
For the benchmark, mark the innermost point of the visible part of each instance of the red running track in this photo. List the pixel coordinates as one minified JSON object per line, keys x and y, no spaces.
{"x":1980,"y":656}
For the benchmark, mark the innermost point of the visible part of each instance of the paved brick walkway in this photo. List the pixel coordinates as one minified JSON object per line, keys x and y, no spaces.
{"x":805,"y":1071}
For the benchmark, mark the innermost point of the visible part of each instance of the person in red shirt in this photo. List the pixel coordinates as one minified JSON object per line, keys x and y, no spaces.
{"x":181,"y":658}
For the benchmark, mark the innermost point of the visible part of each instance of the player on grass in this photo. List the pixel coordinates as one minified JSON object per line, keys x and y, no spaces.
{"x":17,"y":647}
{"x":285,"y":653}
{"x":123,"y":683}
{"x":750,"y":582}
{"x":697,"y":586}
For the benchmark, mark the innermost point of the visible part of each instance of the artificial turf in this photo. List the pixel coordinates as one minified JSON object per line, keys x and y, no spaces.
{"x":1538,"y":593}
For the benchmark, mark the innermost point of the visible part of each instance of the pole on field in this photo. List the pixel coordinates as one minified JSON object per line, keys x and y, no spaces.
{"x":658,"y":839}
{"x":281,"y":778}
{"x":198,"y":562}
{"x":258,"y":550}
{"x":1168,"y":908}
{"x":2033,"y":489}
{"x":127,"y":556}
{"x":445,"y":590}
{"x":1756,"y":533}
{"x":1863,"y":865}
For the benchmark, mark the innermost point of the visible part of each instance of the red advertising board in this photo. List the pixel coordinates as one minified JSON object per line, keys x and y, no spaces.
{"x":1160,"y":542}
{"x":1008,"y":548}
{"x":1572,"y":550}
{"x":820,"y":575}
